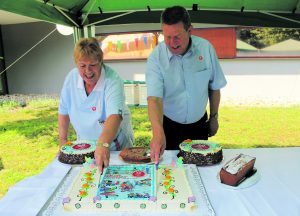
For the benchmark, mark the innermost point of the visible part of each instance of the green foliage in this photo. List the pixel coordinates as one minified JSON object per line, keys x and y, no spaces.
{"x":142,"y":138}
{"x":263,"y":37}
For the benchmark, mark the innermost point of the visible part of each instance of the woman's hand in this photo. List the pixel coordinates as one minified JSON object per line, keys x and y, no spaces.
{"x":102,"y":155}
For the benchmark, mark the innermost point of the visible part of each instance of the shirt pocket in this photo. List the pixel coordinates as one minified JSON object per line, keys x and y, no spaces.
{"x":201,"y":80}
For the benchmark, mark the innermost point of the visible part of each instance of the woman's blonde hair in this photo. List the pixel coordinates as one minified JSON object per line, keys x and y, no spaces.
{"x":88,"y":47}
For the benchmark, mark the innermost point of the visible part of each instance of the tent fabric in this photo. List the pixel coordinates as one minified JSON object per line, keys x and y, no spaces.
{"x":266,"y":13}
{"x":287,"y":45}
{"x":212,"y":17}
{"x":243,"y":46}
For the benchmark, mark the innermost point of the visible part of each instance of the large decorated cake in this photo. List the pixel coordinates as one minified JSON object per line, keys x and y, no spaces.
{"x":200,"y":152}
{"x":130,"y":188}
{"x":76,"y":152}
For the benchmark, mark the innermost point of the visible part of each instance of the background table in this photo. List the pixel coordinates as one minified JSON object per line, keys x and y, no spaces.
{"x":276,"y":193}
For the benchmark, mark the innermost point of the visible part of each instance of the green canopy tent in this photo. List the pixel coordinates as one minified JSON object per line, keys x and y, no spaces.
{"x":85,"y":13}
{"x":113,"y":15}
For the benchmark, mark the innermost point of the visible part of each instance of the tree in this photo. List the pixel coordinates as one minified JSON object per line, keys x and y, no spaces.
{"x":263,"y":37}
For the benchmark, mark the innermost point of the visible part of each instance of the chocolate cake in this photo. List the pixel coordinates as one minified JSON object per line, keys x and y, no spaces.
{"x":200,"y":152}
{"x":75,"y":152}
{"x":135,"y":155}
{"x":235,"y":170}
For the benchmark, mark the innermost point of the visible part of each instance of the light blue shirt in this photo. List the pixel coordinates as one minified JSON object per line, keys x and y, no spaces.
{"x":183,"y":81}
{"x":87,"y":113}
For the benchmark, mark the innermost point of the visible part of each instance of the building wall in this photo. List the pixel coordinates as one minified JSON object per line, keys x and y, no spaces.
{"x":44,"y":68}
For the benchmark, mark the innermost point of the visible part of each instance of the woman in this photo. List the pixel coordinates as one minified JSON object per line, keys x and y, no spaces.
{"x":92,"y":99}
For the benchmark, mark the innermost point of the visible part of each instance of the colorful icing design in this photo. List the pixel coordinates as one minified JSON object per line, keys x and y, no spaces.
{"x":89,"y":162}
{"x":87,"y":183}
{"x":138,"y":187}
{"x":127,"y":183}
{"x":167,"y":183}
{"x":79,"y":147}
{"x":200,"y":146}
{"x":180,"y":162}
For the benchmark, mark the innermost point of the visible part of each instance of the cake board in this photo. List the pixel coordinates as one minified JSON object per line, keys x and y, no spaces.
{"x":54,"y":205}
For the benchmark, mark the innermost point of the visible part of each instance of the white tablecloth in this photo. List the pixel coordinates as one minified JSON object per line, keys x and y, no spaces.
{"x":276,"y":193}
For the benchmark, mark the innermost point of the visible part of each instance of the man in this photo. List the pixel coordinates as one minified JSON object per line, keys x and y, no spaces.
{"x":182,"y":74}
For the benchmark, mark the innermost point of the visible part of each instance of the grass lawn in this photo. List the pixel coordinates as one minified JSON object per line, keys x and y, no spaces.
{"x":29,"y":136}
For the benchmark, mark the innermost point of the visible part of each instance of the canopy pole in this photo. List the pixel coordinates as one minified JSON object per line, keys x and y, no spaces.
{"x":77,"y":34}
{"x":89,"y":11}
{"x":89,"y":31}
{"x":280,"y":17}
{"x":65,"y":15}
{"x":101,"y":21}
{"x":86,"y":31}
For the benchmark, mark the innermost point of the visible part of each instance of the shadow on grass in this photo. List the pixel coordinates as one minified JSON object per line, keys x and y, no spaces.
{"x":1,"y":165}
{"x":43,"y":123}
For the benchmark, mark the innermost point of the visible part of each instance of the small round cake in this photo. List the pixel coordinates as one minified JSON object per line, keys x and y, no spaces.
{"x":200,"y":152}
{"x":135,"y":155}
{"x":75,"y":152}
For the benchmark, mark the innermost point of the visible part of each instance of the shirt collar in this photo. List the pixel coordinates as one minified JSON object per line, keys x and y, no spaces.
{"x":190,"y":50}
{"x":99,"y":85}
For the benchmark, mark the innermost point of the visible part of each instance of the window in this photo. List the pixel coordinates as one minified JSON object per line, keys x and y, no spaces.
{"x":128,"y":46}
{"x":268,"y":42}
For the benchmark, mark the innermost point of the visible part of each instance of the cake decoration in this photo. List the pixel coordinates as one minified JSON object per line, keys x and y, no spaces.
{"x":191,"y":199}
{"x":137,"y":187}
{"x":180,"y":162}
{"x":66,"y":200}
{"x":75,"y":152}
{"x":167,"y":183}
{"x":200,"y":152}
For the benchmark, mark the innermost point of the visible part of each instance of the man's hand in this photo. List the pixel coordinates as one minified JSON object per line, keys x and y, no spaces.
{"x":102,"y":155}
{"x":213,"y":127}
{"x":157,"y":147}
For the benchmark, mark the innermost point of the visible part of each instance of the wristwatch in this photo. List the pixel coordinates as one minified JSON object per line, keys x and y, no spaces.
{"x":100,"y":144}
{"x":215,"y":115}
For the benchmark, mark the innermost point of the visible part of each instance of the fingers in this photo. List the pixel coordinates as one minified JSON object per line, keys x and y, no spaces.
{"x":162,"y":150}
{"x":155,"y":152}
{"x":101,"y":164}
{"x":213,"y":127}
{"x":102,"y":159}
{"x":156,"y":157}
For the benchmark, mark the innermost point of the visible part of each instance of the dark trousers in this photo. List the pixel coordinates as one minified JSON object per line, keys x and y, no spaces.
{"x":176,"y":132}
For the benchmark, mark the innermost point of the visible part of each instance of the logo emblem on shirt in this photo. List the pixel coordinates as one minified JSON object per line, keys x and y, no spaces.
{"x":94,"y":108}
{"x":200,"y":58}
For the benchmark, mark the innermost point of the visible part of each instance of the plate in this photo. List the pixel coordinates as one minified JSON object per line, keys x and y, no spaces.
{"x":245,"y":184}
